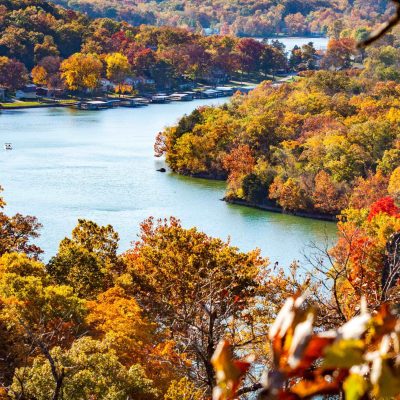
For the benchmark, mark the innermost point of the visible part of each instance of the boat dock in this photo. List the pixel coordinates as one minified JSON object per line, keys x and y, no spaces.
{"x":161,"y":98}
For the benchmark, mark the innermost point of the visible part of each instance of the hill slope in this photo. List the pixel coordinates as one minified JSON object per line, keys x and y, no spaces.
{"x":240,"y":17}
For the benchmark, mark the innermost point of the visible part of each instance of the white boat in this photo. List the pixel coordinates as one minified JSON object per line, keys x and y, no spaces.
{"x":8,"y":146}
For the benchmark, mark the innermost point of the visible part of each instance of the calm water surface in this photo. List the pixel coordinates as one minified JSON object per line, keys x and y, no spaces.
{"x":320,"y":43}
{"x":69,"y":164}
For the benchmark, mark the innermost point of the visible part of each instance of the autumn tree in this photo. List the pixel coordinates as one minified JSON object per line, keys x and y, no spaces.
{"x":82,"y":72}
{"x":90,"y":370}
{"x":394,"y":184}
{"x":369,"y":190}
{"x":88,"y":260}
{"x":249,"y":51}
{"x":46,"y":48}
{"x":295,"y":24}
{"x":289,"y":194}
{"x":355,"y":265}
{"x":197,"y":286}
{"x":239,"y":163}
{"x":13,"y":74}
{"x":47,"y":72}
{"x":17,"y":231}
{"x":117,"y":69}
{"x":116,"y":318}
{"x":39,"y":315}
{"x":327,"y":196}
{"x":39,"y":75}
{"x":183,"y":389}
{"x":339,"y":53}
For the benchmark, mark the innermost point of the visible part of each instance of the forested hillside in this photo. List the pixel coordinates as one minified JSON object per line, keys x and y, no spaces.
{"x":240,"y":17}
{"x":319,"y":145}
{"x":37,"y":33}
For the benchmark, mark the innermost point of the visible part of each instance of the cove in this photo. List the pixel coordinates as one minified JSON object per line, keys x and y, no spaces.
{"x":100,"y":165}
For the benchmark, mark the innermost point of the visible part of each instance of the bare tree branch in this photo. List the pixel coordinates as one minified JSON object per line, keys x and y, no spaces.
{"x":385,"y":28}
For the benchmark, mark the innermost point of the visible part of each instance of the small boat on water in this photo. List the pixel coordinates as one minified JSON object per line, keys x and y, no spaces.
{"x":8,"y":146}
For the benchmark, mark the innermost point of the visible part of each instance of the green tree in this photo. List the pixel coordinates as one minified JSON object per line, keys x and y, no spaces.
{"x":87,"y":261}
{"x":36,"y":313}
{"x":89,"y":369}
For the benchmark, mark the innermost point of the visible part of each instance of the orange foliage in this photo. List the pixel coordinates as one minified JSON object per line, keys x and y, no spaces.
{"x":369,"y":190}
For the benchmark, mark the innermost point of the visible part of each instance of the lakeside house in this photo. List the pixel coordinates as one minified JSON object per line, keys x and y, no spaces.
{"x":106,"y":85}
{"x":28,"y":92}
{"x":2,"y":94}
{"x":139,"y":80}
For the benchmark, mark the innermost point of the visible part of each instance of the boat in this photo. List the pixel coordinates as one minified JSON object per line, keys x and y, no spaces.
{"x":141,"y":101}
{"x":94,"y":105}
{"x":132,"y":103}
{"x":160,"y":99}
{"x":181,"y":97}
{"x":225,"y":91}
{"x":8,"y":146}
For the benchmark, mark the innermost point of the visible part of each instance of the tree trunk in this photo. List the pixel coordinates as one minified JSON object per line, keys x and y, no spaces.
{"x":59,"y":383}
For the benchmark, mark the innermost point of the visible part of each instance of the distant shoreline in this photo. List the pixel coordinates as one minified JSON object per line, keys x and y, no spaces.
{"x":290,"y":37}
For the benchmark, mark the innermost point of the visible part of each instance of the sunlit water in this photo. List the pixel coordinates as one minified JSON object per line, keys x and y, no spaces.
{"x":320,"y":43}
{"x":69,"y":164}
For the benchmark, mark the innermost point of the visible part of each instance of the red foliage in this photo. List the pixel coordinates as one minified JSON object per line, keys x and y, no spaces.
{"x":386,"y":205}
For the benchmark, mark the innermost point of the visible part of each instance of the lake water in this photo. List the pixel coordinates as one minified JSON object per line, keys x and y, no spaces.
{"x":69,"y":164}
{"x":320,"y":43}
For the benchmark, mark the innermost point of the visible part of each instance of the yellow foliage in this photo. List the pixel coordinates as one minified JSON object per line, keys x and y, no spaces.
{"x":394,"y":184}
{"x":82,"y":71}
{"x":183,"y":389}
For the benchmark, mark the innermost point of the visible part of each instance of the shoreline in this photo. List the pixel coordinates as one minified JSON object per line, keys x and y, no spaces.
{"x":279,"y":210}
{"x":263,"y":207}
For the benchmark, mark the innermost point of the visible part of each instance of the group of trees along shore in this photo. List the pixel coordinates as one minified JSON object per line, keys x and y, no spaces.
{"x":55,"y":47}
{"x":326,"y":142}
{"x":259,"y":18}
{"x":62,"y":48}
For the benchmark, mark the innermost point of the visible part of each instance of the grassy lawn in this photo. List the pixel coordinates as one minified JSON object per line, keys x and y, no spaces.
{"x":17,"y":104}
{"x":21,"y":104}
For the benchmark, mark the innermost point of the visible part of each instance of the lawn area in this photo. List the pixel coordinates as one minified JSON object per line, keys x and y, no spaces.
{"x":21,"y":104}
{"x":27,"y":104}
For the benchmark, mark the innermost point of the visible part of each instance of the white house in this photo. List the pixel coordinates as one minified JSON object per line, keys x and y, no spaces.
{"x":139,"y":80}
{"x":107,"y":85}
{"x":27,"y":93}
